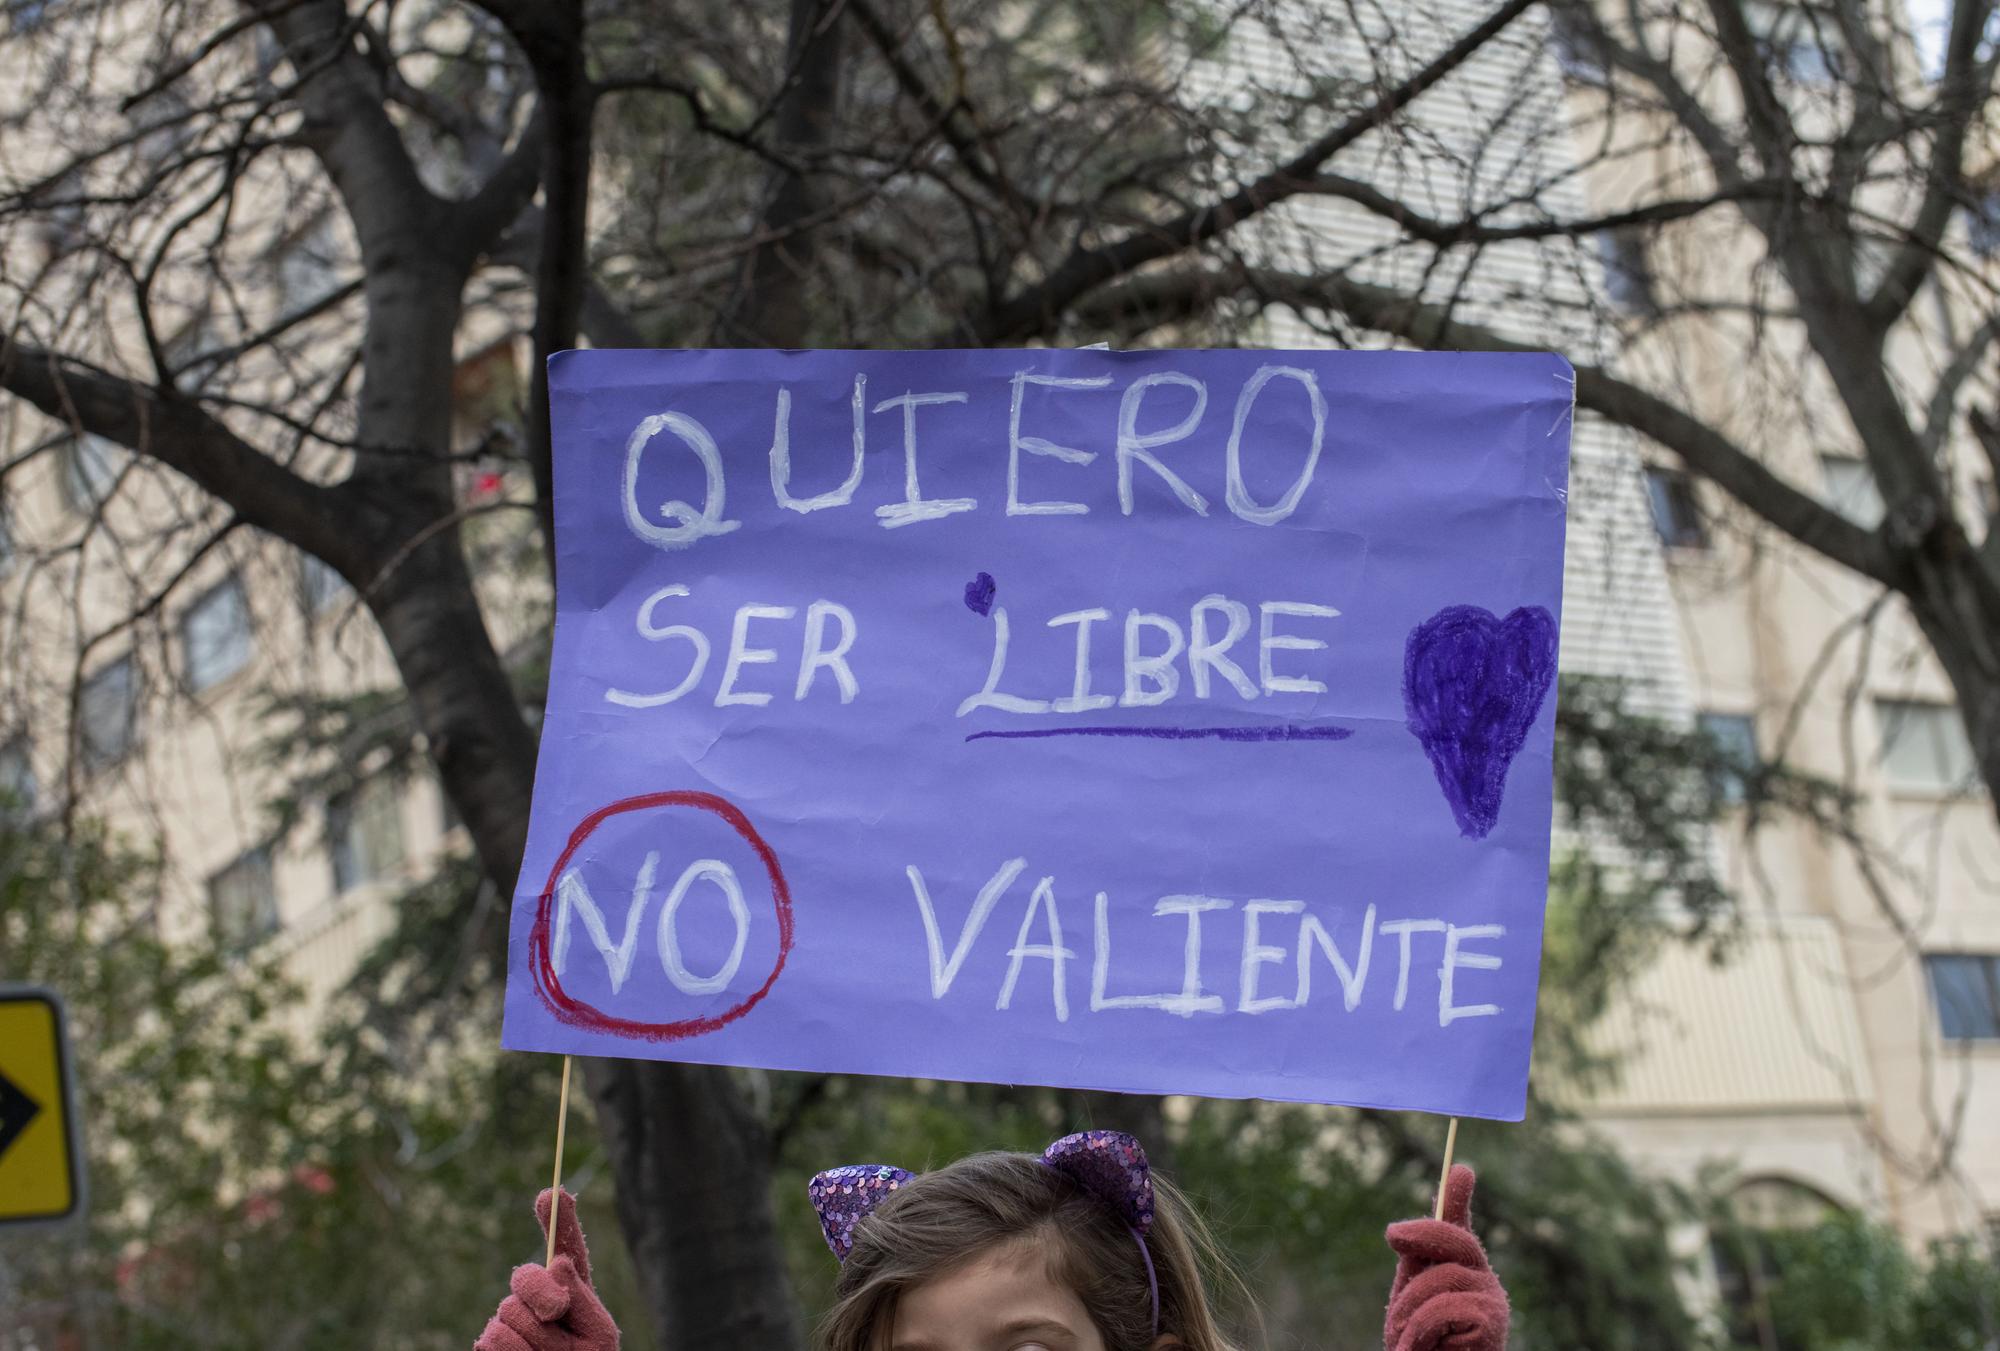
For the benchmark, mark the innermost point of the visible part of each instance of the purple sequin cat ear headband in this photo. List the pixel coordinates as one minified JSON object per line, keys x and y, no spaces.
{"x":1109,"y":1165}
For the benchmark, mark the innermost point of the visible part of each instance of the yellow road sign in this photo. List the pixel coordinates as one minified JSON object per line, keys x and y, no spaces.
{"x":41,"y":1166}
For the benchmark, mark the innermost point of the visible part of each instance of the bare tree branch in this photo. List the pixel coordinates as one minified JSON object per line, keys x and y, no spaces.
{"x":1085,"y":269}
{"x":180,"y":435}
{"x":1188,"y":289}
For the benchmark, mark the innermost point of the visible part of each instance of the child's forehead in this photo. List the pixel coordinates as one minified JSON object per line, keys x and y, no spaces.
{"x":1008,"y":1284}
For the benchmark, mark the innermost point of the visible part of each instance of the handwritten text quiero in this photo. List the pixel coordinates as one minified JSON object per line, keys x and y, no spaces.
{"x":1151,"y":721}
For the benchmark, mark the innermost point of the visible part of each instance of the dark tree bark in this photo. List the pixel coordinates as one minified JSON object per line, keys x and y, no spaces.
{"x":693,"y":1172}
{"x":772,"y":303}
{"x":693,"y":1164}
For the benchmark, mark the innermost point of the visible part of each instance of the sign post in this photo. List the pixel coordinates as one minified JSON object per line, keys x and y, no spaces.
{"x":1168,"y":722}
{"x":41,"y":1156}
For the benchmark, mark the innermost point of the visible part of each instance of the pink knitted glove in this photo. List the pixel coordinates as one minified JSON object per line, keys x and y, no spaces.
{"x":553,"y":1308}
{"x":1445,"y":1295}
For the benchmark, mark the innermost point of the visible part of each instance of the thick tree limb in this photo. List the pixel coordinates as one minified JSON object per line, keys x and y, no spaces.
{"x":551,"y":37}
{"x":1960,"y":95}
{"x":1772,"y":135}
{"x":505,"y":194}
{"x":181,"y":435}
{"x":604,"y":321}
{"x":771,"y":305}
{"x":1191,"y":289}
{"x":1472,"y":230}
{"x":346,"y":122}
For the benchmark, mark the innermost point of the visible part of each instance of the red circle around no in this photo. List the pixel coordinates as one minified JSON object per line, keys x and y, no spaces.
{"x":575,"y":1011}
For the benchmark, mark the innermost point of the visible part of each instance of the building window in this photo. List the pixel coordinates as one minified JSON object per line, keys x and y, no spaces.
{"x":1676,"y":512}
{"x":319,"y":584}
{"x":1805,"y":59}
{"x":1794,"y":46}
{"x":1628,"y":276}
{"x":1579,"y":45}
{"x":1751,"y":1248}
{"x":364,"y":829}
{"x":309,"y":265}
{"x":1871,"y":262}
{"x":1924,"y":746}
{"x":17,"y":778}
{"x":1982,"y":223}
{"x":1733,"y":740}
{"x":196,"y":354}
{"x":90,"y":472}
{"x":1851,"y":490}
{"x":108,"y":714}
{"x":215,"y":635}
{"x":243,"y":901}
{"x":1987,"y":496}
{"x":25,"y":16}
{"x":448,"y":818}
{"x":1966,"y":989}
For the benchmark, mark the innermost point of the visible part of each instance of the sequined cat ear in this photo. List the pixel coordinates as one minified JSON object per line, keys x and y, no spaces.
{"x":844,"y":1197}
{"x":1111,"y":1166}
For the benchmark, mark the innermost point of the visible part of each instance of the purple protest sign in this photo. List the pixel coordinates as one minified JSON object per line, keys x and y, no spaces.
{"x":1172,"y":722}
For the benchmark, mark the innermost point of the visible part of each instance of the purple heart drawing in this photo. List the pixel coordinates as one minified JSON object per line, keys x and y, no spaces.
{"x":979,"y":594}
{"x":1472,"y":685}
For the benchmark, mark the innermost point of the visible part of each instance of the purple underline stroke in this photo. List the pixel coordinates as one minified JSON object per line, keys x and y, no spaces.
{"x":1287,"y":732}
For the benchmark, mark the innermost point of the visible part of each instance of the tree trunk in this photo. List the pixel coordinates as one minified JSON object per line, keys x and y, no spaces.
{"x":1957,"y":606}
{"x":686,"y":1148}
{"x":771,"y":307}
{"x":693,"y":1168}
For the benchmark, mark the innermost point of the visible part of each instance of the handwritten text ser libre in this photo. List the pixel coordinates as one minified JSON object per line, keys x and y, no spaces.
{"x":1212,"y":644}
{"x":1280,"y":943}
{"x":1155,"y":413}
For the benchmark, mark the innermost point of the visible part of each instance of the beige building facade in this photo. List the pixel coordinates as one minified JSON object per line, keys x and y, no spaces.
{"x":1843,"y":1048}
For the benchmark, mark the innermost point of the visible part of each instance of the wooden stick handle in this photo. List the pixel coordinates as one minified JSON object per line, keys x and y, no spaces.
{"x":1444,"y":1174}
{"x":555,"y":1187}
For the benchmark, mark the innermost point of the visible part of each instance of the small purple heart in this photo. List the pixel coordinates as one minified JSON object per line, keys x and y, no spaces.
{"x":1472,"y":685}
{"x":979,"y":594}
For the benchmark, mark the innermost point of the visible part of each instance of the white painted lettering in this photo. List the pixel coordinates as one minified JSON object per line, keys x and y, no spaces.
{"x":1205,"y":654}
{"x":1269,"y":641}
{"x":1403,"y":928}
{"x":741,"y":654}
{"x":945,"y":970}
{"x":1238,"y":493}
{"x":915,"y":506}
{"x":694,"y":637}
{"x":573,"y":896}
{"x":1038,"y":445}
{"x":817,"y":656}
{"x":990,"y":696}
{"x":688,"y":525}
{"x":1449,"y":1012}
{"x":724,"y":877}
{"x":1157,"y":670}
{"x":1080,"y":699}
{"x":1352,"y":978}
{"x":1135,"y":448}
{"x":1043,"y":901}
{"x":1257,"y":954}
{"x":781,"y":457}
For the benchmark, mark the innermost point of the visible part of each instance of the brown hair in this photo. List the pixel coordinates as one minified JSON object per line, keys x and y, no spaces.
{"x":939,"y":1221}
